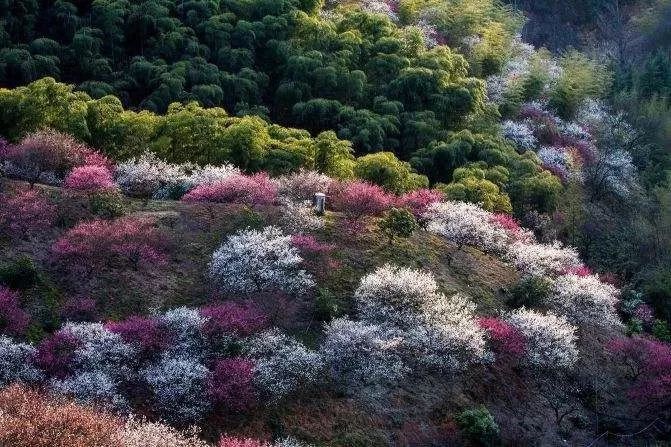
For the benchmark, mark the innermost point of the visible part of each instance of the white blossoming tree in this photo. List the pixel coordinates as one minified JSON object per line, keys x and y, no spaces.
{"x":282,"y":365}
{"x":466,"y":224}
{"x":542,"y":259}
{"x":585,"y":300}
{"x":16,"y":362}
{"x":92,"y":387}
{"x":252,"y":261}
{"x":179,"y":388}
{"x":550,"y":339}
{"x":359,"y":354}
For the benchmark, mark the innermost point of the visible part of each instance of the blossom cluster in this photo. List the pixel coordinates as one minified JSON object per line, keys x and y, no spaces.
{"x":404,"y":324}
{"x":181,"y":358}
{"x":251,"y":261}
{"x":47,"y":156}
{"x":98,"y":243}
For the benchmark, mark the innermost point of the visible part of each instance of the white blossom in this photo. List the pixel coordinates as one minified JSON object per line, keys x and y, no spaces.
{"x":141,"y":433}
{"x":585,"y":300}
{"x":550,"y":339}
{"x":282,"y":365}
{"x":251,"y":261}
{"x":300,"y":217}
{"x":519,"y":133}
{"x":302,"y":185}
{"x":466,"y":223}
{"x":147,"y":174}
{"x":100,"y":350}
{"x":179,"y":388}
{"x":184,"y":326}
{"x":16,"y":362}
{"x":361,"y":354}
{"x":535,"y":259}
{"x":92,"y":387}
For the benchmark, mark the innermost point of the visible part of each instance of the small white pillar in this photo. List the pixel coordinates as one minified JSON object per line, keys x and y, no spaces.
{"x":320,"y":203}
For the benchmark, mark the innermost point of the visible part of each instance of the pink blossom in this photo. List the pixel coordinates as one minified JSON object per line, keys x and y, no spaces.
{"x":506,"y":339}
{"x":26,"y":212}
{"x":230,"y":384}
{"x":577,"y":270}
{"x":234,"y":318}
{"x":649,"y":363}
{"x":360,"y":198}
{"x":257,"y":189}
{"x":90,"y":178}
{"x":146,"y":332}
{"x":13,"y":319}
{"x":55,"y":353}
{"x":99,"y":242}
{"x":308,"y":243}
{"x":418,"y":201}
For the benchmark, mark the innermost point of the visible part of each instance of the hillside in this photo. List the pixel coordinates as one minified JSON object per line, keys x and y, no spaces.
{"x":491,"y":265}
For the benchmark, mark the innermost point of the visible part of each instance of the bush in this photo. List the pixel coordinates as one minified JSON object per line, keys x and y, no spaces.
{"x":384,"y":169}
{"x":327,"y":305}
{"x":230,"y":386}
{"x":146,"y":334}
{"x":26,"y":213}
{"x":479,"y":426}
{"x":550,"y":340}
{"x":251,"y":261}
{"x":233,"y":319}
{"x":107,"y":204}
{"x":531,"y":291}
{"x":282,"y":365}
{"x":303,"y":185}
{"x":357,"y":199}
{"x":398,"y":222}
{"x":258,"y":189}
{"x":19,"y":274}
{"x":90,"y":179}
{"x":13,"y":320}
{"x":141,"y":433}
{"x":506,"y":340}
{"x":98,"y":243}
{"x":179,"y":388}
{"x":30,"y":419}
{"x":418,"y":201}
{"x":17,"y":363}
{"x":47,"y":156}
{"x":56,"y":352}
{"x":585,"y":300}
{"x":649,"y":365}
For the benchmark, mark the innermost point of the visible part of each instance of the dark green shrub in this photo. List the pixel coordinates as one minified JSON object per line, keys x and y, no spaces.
{"x":530,"y":292}
{"x":478,"y":425}
{"x":660,"y":330}
{"x":398,"y":222}
{"x":658,"y":291}
{"x":327,"y":305}
{"x":107,"y":205}
{"x":19,"y":274}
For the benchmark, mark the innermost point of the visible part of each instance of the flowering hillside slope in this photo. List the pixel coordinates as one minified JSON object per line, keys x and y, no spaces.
{"x":251,"y":306}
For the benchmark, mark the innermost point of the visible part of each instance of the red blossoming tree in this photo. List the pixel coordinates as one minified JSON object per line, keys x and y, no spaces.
{"x":258,"y":189}
{"x":13,"y":320}
{"x":25,"y":213}
{"x":98,"y":243}
{"x":230,"y":384}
